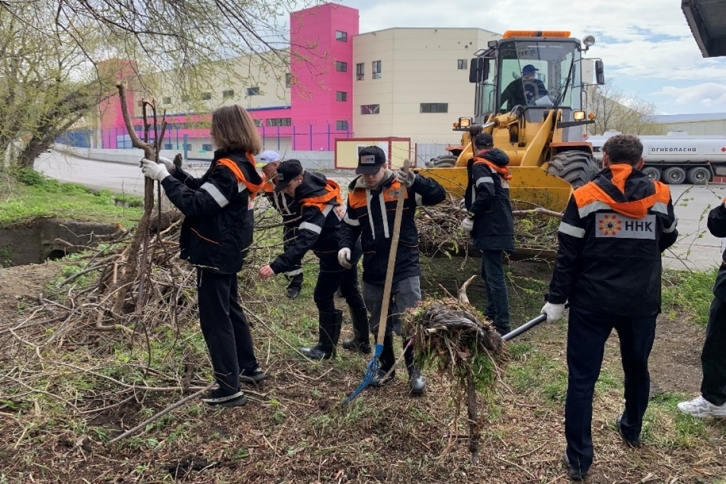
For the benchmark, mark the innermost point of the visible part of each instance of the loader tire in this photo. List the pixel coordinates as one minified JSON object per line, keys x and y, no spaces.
{"x":444,"y":161}
{"x":575,"y":166}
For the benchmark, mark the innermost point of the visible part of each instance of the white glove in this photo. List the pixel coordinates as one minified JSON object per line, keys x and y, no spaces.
{"x":344,"y":258}
{"x":467,"y":224}
{"x":406,"y":178}
{"x":153,"y":170}
{"x":169,"y":164}
{"x":554,"y":312}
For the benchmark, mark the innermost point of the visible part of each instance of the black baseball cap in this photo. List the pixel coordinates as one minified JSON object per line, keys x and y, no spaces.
{"x":483,"y":140}
{"x":370,"y":160}
{"x":286,"y":172}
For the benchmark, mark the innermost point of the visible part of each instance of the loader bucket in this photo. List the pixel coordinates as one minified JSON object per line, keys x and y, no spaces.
{"x":529,"y":184}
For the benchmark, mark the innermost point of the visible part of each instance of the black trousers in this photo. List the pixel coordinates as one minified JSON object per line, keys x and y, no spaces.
{"x":225,"y":328}
{"x":333,"y":276}
{"x":713,"y":356}
{"x":587,"y":333}
{"x":294,"y":277}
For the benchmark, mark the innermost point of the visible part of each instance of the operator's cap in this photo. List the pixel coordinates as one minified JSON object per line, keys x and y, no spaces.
{"x":286,"y":172}
{"x":370,"y":160}
{"x":529,"y":68}
{"x":483,"y":140}
{"x":266,"y":157}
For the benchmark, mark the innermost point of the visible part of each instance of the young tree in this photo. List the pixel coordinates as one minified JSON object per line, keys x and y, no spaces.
{"x":54,"y":55}
{"x":615,"y":110}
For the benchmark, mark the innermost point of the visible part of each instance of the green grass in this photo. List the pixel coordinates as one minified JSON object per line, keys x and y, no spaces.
{"x":26,"y":195}
{"x":689,"y":292}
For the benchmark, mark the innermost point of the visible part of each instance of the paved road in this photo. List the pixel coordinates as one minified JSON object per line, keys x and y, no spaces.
{"x":695,"y":249}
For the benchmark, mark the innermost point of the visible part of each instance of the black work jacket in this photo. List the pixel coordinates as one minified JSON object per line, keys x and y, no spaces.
{"x":321,"y":211}
{"x":370,"y":215}
{"x":717,"y":227}
{"x":218,"y":217}
{"x":487,"y":199}
{"x":611,"y":238}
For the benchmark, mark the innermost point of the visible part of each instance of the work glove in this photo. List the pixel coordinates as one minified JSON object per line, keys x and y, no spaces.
{"x":468,"y":223}
{"x":554,"y":312}
{"x":153,"y":170}
{"x":169,"y":164}
{"x":405,"y":178}
{"x":344,"y":258}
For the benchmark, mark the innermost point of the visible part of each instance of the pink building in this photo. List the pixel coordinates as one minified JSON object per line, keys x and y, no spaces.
{"x":321,"y":107}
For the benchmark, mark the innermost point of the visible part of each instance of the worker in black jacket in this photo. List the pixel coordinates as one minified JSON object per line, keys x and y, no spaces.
{"x":489,"y":221}
{"x":285,"y":205}
{"x":712,"y":401}
{"x":608,"y":267}
{"x":215,"y":236}
{"x":370,"y":216}
{"x":321,"y":210}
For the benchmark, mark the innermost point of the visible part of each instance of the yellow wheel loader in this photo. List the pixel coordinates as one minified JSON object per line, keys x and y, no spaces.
{"x":529,"y":97}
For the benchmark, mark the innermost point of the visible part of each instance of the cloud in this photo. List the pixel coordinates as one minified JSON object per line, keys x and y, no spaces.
{"x":708,"y":95}
{"x":643,"y":40}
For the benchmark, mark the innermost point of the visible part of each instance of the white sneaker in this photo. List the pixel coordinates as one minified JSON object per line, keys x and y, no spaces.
{"x":702,"y":408}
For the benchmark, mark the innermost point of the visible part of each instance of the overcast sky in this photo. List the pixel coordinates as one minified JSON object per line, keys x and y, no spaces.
{"x":646,"y":45}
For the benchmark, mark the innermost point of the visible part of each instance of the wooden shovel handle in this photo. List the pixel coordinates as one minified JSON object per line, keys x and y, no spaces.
{"x":392,"y":258}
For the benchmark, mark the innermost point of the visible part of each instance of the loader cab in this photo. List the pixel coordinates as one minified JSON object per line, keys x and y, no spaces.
{"x":535,"y":70}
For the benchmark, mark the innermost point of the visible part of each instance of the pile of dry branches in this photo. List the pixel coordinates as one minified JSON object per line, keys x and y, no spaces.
{"x":452,"y":337}
{"x":439,"y":227}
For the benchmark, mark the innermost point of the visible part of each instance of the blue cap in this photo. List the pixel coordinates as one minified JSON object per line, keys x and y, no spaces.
{"x":529,"y":68}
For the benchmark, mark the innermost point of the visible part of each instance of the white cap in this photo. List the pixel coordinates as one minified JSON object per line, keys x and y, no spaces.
{"x":268,"y":156}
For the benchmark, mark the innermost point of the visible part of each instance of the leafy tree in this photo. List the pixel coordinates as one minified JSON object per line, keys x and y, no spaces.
{"x":615,"y":110}
{"x":59,"y":59}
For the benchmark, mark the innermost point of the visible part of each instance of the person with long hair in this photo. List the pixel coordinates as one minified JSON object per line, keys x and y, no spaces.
{"x":215,"y":237}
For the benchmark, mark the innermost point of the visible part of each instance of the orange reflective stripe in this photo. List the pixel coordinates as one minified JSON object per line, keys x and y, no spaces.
{"x":357,"y":198}
{"x":591,"y":193}
{"x":251,"y":187}
{"x":333,"y":192}
{"x":504,"y":171}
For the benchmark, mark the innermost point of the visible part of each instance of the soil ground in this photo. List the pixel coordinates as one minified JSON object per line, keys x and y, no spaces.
{"x":293,"y":429}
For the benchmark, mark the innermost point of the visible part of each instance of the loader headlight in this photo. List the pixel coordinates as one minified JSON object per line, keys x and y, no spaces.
{"x":589,"y":41}
{"x":464,"y":122}
{"x":578,"y":115}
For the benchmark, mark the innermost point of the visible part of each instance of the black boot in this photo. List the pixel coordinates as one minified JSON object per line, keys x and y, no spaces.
{"x":329,"y":332}
{"x":387,"y":359}
{"x":415,"y":379}
{"x":360,"y":341}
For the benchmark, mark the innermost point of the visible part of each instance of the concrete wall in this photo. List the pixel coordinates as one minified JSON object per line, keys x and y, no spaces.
{"x":34,"y":242}
{"x":314,"y":160}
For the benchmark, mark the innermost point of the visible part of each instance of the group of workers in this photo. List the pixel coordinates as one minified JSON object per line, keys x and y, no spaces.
{"x":608,"y":266}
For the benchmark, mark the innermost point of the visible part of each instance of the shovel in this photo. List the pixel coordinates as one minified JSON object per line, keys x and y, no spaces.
{"x":527,"y":326}
{"x":374,"y":365}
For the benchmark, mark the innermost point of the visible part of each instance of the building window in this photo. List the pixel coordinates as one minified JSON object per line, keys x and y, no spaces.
{"x":376,"y":69}
{"x":185,"y":98}
{"x":434,"y":107}
{"x":360,"y":72}
{"x":370,"y":109}
{"x":228,"y":94}
{"x":206,"y":96}
{"x":167,"y":100}
{"x":461,"y":64}
{"x":253,"y":91}
{"x":258,"y":122}
{"x":288,"y":80}
{"x":341,"y":96}
{"x":341,"y":125}
{"x":279,"y":122}
{"x":207,"y":147}
{"x":341,"y":36}
{"x":341,"y":66}
{"x":168,"y":146}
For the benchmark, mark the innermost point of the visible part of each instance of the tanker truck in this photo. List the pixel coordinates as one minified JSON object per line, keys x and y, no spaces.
{"x":676,"y":157}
